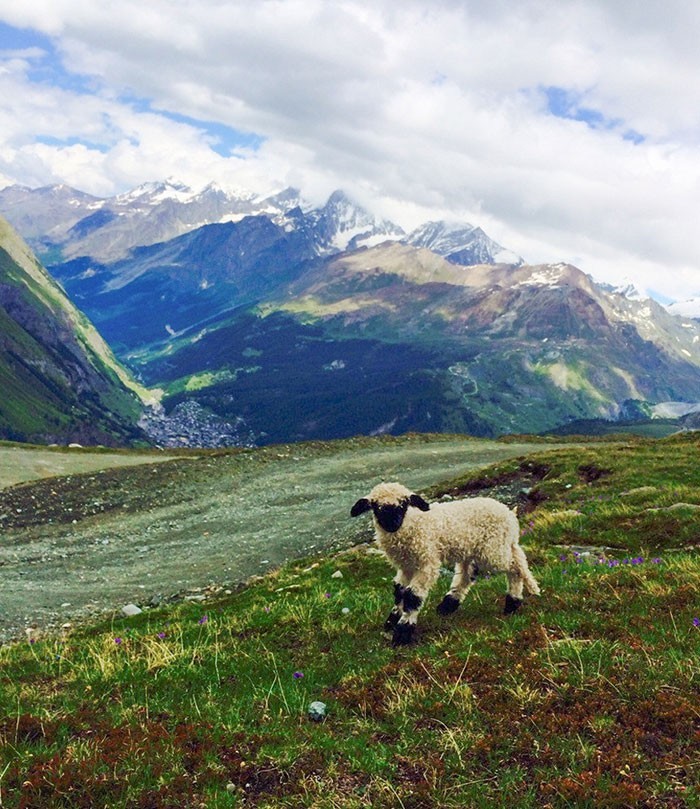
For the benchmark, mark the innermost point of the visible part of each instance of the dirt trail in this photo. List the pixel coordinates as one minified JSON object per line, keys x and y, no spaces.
{"x":141,"y":534}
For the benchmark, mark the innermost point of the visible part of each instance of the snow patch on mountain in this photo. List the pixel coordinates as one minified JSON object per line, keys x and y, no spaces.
{"x":550,"y":276}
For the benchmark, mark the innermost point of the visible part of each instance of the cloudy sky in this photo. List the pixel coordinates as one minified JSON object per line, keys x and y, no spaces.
{"x":568,"y":129}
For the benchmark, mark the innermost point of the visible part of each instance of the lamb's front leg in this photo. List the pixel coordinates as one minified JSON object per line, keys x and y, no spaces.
{"x":413,"y":598}
{"x":400,"y":582}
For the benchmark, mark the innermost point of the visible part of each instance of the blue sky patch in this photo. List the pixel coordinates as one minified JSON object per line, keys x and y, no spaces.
{"x":224,"y":140}
{"x":567,"y":104}
{"x":47,"y":68}
{"x":15,"y":39}
{"x":49,"y":140}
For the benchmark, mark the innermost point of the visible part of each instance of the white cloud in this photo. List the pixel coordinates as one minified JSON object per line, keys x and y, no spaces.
{"x":423,"y":107}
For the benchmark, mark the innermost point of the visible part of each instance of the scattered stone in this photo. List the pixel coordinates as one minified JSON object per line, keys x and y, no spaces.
{"x":130,"y":610}
{"x":310,"y":568}
{"x":676,"y":507}
{"x":346,"y":610}
{"x":317,"y":711}
{"x":640,"y":490}
{"x":337,"y":575}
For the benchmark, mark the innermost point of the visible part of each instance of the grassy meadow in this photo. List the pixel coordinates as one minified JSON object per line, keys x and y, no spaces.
{"x":589,"y":696}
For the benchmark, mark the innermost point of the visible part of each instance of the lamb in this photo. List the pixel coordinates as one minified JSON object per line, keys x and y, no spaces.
{"x":476,"y":536}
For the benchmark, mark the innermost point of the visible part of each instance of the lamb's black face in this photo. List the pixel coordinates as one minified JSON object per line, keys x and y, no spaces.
{"x":390,"y":517}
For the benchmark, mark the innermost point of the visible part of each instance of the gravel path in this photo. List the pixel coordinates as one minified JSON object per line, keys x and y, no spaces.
{"x":83,"y":544}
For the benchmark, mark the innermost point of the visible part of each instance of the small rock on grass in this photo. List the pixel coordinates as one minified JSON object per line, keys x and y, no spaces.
{"x":317,"y":711}
{"x":130,"y":610}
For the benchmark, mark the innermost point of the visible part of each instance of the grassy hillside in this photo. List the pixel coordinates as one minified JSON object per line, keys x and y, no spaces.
{"x":59,"y":379}
{"x":587,"y":697}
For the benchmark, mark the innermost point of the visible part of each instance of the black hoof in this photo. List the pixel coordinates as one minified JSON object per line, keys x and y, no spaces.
{"x":403,"y":634}
{"x":392,"y":620}
{"x":448,"y":605}
{"x":512,"y":604}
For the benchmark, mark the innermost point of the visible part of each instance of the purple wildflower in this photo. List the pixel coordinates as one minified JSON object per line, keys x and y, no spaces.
{"x":161,"y":635}
{"x":656,"y":561}
{"x":118,"y":641}
{"x":327,"y":595}
{"x":203,"y":620}
{"x":563,"y":558}
{"x":696,"y":621}
{"x":298,"y":675}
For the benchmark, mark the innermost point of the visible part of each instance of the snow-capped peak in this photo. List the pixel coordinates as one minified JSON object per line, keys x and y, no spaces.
{"x":461,"y":243}
{"x":154,"y":193}
{"x":626,"y":289}
{"x":687,"y":308}
{"x":342,"y":224}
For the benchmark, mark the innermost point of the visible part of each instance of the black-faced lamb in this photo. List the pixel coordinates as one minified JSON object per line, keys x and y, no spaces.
{"x":476,"y":536}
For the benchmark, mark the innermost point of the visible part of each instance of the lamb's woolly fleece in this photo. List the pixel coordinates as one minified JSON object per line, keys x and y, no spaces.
{"x":478,"y":529}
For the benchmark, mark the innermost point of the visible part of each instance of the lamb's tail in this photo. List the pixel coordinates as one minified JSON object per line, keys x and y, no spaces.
{"x":520,"y":564}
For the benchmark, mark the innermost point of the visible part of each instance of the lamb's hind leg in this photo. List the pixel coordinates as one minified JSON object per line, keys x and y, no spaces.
{"x":464,"y":577}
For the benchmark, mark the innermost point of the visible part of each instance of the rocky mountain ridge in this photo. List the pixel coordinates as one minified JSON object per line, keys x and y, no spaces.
{"x":63,"y":224}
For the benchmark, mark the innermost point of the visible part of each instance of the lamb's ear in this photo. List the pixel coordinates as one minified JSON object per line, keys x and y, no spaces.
{"x":360,"y":507}
{"x":417,"y":501}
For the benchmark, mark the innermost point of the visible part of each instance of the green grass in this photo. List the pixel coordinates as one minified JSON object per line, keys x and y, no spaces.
{"x":589,"y":696}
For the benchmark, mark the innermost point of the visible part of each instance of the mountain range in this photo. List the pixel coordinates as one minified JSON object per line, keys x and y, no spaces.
{"x":286,"y":322}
